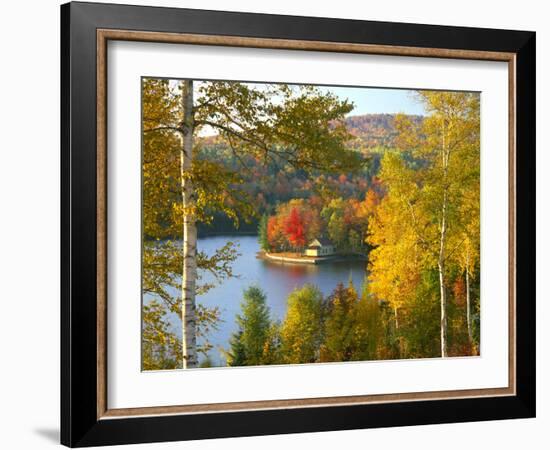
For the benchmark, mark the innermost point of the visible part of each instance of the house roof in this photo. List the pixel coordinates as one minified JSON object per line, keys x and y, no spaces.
{"x":324,"y":241}
{"x":316,"y":243}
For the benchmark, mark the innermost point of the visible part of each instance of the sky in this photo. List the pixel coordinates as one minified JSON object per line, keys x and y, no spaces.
{"x":378,"y":100}
{"x":368,"y":100}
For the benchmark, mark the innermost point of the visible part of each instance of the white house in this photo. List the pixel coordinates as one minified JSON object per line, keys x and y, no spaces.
{"x":320,"y":247}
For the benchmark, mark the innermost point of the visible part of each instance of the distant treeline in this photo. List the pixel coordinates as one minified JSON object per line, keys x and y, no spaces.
{"x":268,"y":186}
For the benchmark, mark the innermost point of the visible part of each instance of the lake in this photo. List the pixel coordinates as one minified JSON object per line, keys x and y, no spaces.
{"x":276,"y":279}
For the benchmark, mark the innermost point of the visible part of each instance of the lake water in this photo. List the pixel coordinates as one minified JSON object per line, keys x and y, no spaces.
{"x":276,"y":279}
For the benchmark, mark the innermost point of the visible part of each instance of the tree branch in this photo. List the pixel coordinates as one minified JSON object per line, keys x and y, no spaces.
{"x":164,"y":128}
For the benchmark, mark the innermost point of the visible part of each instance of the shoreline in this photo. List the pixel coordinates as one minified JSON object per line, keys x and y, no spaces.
{"x":226,"y":233}
{"x":314,"y":260}
{"x":207,"y":235}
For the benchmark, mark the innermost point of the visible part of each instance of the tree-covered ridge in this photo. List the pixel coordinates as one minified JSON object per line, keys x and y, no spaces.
{"x":375,"y":130}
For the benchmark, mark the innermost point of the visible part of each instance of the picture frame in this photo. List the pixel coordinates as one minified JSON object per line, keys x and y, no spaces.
{"x":86,"y":418}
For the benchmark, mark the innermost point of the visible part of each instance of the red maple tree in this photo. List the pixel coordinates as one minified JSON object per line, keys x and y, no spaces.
{"x":294,"y":229}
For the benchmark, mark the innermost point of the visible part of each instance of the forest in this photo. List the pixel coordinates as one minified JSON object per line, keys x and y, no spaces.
{"x":290,"y":164}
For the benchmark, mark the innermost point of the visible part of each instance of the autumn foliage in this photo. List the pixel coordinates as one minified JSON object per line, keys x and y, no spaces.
{"x":294,"y":229}
{"x":344,"y":221}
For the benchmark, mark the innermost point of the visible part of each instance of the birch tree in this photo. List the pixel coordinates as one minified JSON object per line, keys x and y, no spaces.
{"x":162,"y":257}
{"x":396,"y":230}
{"x":467,"y":255}
{"x":452,"y":143}
{"x":418,"y":225}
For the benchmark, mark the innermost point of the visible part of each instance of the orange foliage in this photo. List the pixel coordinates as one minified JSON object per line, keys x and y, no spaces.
{"x":294,"y":229}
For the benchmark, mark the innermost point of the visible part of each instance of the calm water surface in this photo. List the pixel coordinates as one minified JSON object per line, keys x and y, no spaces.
{"x":276,"y":279}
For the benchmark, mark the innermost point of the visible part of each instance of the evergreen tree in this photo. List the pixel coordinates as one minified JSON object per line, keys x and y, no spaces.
{"x":262,"y":233}
{"x":247,"y":345}
{"x":236,"y":355}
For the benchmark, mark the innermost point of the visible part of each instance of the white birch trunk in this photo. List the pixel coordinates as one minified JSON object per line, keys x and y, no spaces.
{"x":442,"y":239}
{"x":396,"y":318}
{"x":396,"y":313}
{"x":468,"y":313}
{"x":189,"y":269}
{"x":441,"y":268}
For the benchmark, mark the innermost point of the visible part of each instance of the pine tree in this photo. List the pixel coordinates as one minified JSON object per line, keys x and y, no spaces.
{"x":236,"y":355}
{"x":262,"y":233}
{"x":247,"y":345}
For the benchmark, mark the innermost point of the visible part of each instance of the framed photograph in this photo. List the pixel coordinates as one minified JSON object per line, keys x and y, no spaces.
{"x":276,"y":224}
